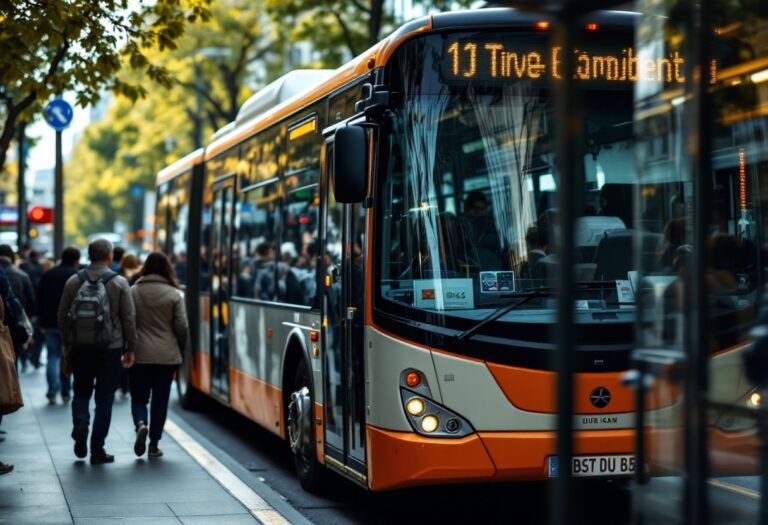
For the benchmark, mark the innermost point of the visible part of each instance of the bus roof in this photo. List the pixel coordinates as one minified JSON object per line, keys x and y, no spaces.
{"x":374,"y":57}
{"x":181,"y":165}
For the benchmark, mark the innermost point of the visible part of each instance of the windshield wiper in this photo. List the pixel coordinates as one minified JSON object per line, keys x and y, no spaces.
{"x":522,"y":298}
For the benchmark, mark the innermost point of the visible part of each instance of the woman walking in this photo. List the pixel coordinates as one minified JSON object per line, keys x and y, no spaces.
{"x":161,"y":326}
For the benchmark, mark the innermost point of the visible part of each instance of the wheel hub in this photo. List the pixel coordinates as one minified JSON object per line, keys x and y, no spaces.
{"x":300,"y":421}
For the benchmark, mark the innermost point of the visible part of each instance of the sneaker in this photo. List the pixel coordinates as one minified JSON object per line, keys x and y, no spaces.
{"x":5,"y":468}
{"x":155,"y":452}
{"x":80,"y":435}
{"x":51,"y":399}
{"x":140,"y":445}
{"x":99,"y":457}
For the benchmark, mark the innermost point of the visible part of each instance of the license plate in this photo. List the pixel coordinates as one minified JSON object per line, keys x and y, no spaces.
{"x":595,"y":466}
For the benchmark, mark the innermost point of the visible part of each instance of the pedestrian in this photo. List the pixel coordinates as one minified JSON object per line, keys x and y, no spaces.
{"x":32,"y":266}
{"x":50,"y":290}
{"x":12,"y":311}
{"x":161,"y":326}
{"x":129,"y":268}
{"x":25,"y":292}
{"x":96,"y":320}
{"x":117,"y":258}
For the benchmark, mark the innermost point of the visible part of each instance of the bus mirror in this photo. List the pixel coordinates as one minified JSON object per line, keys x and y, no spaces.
{"x":350,"y":165}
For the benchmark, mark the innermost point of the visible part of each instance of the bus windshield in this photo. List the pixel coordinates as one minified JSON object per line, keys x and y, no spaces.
{"x":468,"y":188}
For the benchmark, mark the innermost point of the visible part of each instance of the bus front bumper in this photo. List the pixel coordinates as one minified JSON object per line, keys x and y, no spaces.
{"x":405,"y":459}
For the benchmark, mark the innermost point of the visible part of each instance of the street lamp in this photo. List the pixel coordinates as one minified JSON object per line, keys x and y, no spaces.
{"x":206,"y":52}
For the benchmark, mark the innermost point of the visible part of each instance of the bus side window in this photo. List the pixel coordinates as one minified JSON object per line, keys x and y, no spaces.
{"x":256,"y":222}
{"x":297,"y":255}
{"x":178,"y":226}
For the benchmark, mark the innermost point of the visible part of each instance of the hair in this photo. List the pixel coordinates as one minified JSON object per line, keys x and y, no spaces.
{"x":118,"y":253}
{"x":46,"y":264}
{"x":100,"y":250}
{"x":158,"y":264}
{"x":129,"y":262}
{"x":70,"y":256}
{"x":473,"y":197}
{"x":7,"y":251}
{"x":263,"y":248}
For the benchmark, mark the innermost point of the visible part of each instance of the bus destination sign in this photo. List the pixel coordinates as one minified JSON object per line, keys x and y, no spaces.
{"x":494,"y":60}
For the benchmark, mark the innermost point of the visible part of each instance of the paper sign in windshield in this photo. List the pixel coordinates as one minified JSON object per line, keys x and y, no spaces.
{"x":497,"y":282}
{"x":443,"y":294}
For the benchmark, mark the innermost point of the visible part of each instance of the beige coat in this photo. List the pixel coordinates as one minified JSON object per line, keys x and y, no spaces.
{"x":161,"y":321}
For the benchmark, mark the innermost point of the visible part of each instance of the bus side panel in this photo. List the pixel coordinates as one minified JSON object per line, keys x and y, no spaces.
{"x":201,"y":372}
{"x":257,"y":359}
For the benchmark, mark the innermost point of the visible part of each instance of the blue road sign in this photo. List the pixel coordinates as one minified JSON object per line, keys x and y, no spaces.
{"x":58,"y":114}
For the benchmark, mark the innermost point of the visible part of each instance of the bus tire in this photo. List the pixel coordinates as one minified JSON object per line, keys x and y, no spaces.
{"x":301,"y":431}
{"x":189,"y":396}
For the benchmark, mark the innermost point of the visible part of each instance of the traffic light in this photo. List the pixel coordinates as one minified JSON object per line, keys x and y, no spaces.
{"x":40,"y":215}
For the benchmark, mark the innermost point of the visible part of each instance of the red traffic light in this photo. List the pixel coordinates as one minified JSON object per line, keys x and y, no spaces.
{"x":40,"y":215}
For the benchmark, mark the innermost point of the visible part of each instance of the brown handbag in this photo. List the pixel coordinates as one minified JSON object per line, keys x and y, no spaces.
{"x":10,"y":391}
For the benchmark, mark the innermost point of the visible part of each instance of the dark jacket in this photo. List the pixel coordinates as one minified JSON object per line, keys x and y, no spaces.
{"x":120,"y":306}
{"x":49,"y":293}
{"x":21,"y":284}
{"x":13,"y":309}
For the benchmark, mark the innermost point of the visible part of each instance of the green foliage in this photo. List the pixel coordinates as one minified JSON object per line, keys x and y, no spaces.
{"x":54,"y":46}
{"x":135,"y":140}
{"x":333,"y":26}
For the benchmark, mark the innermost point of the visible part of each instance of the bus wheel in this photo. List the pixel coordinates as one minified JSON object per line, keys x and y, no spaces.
{"x":189,"y":397}
{"x":301,"y":431}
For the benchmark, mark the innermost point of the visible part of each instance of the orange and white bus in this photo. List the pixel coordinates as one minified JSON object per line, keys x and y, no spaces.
{"x":368,"y":254}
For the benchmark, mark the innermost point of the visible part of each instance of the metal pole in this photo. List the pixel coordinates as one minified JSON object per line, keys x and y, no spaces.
{"x":569,"y":150}
{"x":21,"y":187}
{"x":58,"y":207}
{"x":697,"y":336}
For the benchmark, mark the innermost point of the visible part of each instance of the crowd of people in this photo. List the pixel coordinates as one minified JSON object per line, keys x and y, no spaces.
{"x":113,"y":324}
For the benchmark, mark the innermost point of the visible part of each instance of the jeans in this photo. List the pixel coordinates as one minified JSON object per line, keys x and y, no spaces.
{"x":56,"y":383}
{"x":99,"y":369}
{"x":154,"y":381}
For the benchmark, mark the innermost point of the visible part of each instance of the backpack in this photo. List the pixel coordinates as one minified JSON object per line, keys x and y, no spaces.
{"x":89,"y":317}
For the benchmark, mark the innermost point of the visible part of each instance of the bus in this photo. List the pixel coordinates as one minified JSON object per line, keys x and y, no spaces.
{"x":368,"y":256}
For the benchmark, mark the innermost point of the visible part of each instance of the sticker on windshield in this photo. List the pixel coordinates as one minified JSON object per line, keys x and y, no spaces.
{"x":444,"y":294}
{"x":497,"y":282}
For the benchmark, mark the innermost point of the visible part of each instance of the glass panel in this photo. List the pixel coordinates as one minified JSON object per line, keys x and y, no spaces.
{"x":297,"y":281}
{"x":179,"y":225}
{"x":735,"y":268}
{"x":255,"y":227}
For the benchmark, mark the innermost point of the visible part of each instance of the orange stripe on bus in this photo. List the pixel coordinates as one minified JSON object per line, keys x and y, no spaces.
{"x":536,"y":390}
{"x":405,"y":459}
{"x":201,"y":372}
{"x":258,"y":400}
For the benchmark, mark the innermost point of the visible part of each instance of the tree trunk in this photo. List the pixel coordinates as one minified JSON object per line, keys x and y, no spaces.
{"x":374,"y":22}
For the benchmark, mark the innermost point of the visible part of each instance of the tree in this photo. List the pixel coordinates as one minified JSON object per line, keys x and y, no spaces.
{"x":335,"y":25}
{"x":136,"y":139}
{"x":52,"y":46}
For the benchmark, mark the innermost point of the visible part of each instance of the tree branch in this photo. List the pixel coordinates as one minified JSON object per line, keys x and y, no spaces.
{"x":360,"y":6}
{"x":346,"y":32}
{"x":207,"y":96}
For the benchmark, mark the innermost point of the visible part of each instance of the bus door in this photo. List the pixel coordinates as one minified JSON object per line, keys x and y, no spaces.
{"x":344,"y":232}
{"x":221,"y":239}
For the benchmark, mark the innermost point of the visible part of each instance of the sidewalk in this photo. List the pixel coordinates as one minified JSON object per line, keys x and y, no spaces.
{"x":49,"y":485}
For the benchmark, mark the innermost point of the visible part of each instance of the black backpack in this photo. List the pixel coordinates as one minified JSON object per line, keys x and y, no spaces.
{"x":89,"y":317}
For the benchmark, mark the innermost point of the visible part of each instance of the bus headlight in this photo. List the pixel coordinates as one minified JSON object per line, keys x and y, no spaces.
{"x":415,"y":406}
{"x":430,"y":419}
{"x":429,"y":424}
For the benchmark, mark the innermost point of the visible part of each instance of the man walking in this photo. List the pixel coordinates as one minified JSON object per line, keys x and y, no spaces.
{"x":97,"y":321}
{"x":49,"y":292}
